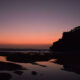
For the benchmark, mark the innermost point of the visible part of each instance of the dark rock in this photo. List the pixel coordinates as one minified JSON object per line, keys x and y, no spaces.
{"x":10,"y":66}
{"x":5,"y":76}
{"x":34,"y":73}
{"x":70,"y":41}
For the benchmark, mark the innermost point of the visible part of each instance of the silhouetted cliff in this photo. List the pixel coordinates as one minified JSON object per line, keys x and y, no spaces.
{"x":70,"y":41}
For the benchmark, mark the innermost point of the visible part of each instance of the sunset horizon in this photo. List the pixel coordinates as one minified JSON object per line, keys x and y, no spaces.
{"x":36,"y":22}
{"x":39,"y":39}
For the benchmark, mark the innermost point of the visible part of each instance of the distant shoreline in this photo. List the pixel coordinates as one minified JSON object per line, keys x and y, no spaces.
{"x":21,"y":50}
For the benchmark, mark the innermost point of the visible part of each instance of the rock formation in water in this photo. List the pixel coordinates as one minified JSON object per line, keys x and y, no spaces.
{"x":70,"y":41}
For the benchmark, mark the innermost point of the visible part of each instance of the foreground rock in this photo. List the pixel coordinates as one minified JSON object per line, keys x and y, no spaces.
{"x":5,"y":76}
{"x":6,"y":66}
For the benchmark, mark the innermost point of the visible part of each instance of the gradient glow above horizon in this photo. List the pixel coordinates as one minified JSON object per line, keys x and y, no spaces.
{"x":36,"y":22}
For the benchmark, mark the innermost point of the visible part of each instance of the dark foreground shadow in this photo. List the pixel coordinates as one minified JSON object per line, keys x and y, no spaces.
{"x":70,"y":63}
{"x":6,"y":66}
{"x":10,"y":66}
{"x":28,"y":58}
{"x":5,"y":76}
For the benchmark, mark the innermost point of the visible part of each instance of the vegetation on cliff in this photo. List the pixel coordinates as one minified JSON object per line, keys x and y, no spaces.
{"x":70,"y":41}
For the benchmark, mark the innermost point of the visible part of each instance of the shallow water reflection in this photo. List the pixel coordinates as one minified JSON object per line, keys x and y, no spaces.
{"x":38,"y":69}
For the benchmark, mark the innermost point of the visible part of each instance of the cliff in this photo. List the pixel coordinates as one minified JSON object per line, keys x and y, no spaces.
{"x":70,"y":41}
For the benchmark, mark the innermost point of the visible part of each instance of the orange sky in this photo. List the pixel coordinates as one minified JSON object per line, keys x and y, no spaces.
{"x":36,"y":21}
{"x":29,"y":33}
{"x":27,"y":39}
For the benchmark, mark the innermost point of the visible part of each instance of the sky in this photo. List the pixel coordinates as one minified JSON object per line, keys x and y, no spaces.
{"x":36,"y":22}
